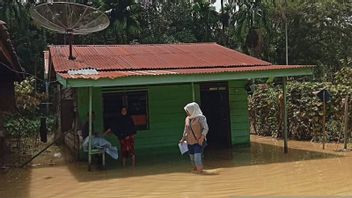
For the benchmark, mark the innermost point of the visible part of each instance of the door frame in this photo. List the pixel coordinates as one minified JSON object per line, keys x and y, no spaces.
{"x":220,"y":86}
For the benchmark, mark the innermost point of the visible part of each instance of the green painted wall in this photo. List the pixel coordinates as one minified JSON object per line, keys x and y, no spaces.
{"x":239,"y":112}
{"x":83,"y":104}
{"x":166,"y":114}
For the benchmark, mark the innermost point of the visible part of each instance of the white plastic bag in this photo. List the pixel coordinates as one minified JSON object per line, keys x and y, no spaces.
{"x":183,"y":147}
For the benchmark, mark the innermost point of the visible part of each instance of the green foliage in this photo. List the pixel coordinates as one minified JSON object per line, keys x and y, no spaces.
{"x":344,"y":76}
{"x":250,"y":24}
{"x":305,"y":110}
{"x":319,"y":32}
{"x":26,"y":121}
{"x":19,"y":126}
{"x":264,"y":102}
{"x":205,"y":21}
{"x":27,"y":99}
{"x":161,"y":23}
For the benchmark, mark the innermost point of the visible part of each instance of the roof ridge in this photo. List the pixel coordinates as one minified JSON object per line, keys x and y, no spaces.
{"x":133,"y":45}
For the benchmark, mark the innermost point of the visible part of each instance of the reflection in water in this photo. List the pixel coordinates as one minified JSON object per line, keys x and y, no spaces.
{"x":261,"y":169}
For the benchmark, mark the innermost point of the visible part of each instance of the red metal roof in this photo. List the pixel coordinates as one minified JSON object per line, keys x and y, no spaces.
{"x":121,"y":74}
{"x":154,"y":56}
{"x":117,"y":61}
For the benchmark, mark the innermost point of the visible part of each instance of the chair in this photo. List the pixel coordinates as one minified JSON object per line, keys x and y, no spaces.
{"x":94,"y":151}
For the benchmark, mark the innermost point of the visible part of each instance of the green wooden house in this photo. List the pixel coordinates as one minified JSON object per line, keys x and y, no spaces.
{"x":157,"y":81}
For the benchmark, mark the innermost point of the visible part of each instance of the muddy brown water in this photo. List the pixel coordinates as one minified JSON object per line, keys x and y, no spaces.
{"x":259,"y":170}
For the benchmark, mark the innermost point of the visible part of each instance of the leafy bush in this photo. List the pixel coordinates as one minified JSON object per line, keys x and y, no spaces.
{"x":263,"y":110}
{"x":19,"y":126}
{"x":25,"y":122}
{"x":27,"y":99}
{"x":305,"y":110}
{"x":343,"y":77}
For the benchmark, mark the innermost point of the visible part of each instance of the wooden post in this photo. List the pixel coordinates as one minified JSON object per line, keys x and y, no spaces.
{"x":284,"y":82}
{"x":47,"y":99}
{"x":90,"y":129}
{"x":324,"y":116}
{"x":76,"y":122}
{"x":58,"y":109}
{"x":71,"y":57}
{"x":346,"y":123}
{"x":193,"y":93}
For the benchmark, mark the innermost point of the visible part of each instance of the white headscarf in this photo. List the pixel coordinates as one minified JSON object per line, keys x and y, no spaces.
{"x":193,"y":111}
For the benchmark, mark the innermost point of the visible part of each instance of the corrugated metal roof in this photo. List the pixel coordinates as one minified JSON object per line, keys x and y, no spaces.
{"x":121,"y":74}
{"x":118,"y":61}
{"x":149,"y":57}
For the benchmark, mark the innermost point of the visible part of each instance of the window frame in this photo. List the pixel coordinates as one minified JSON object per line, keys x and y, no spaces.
{"x":123,"y":93}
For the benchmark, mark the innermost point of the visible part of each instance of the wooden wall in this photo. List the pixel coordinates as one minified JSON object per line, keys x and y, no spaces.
{"x":239,"y":113}
{"x":166,"y":114}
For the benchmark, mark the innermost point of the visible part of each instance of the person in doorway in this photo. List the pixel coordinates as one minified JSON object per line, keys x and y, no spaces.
{"x":123,"y":127}
{"x":195,"y":132}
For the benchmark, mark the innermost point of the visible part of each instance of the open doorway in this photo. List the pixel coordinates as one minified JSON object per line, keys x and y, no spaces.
{"x":215,"y":106}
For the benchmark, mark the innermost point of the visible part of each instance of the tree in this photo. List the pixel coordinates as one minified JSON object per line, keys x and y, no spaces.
{"x":250,"y":22}
{"x":28,"y":40}
{"x":205,"y":21}
{"x":319,"y":33}
{"x":123,"y":19}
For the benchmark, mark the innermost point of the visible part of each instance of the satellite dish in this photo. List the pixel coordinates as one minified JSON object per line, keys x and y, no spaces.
{"x":69,"y":18}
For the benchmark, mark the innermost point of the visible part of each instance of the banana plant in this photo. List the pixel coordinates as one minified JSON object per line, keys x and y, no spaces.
{"x":250,"y":22}
{"x":123,"y":19}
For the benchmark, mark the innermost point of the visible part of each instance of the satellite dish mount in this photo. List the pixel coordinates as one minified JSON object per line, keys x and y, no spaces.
{"x":70,"y":40}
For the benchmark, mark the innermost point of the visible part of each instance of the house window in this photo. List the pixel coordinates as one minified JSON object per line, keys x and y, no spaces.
{"x":135,"y":101}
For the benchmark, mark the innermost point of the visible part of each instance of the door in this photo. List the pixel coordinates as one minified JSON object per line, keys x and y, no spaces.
{"x":215,"y":106}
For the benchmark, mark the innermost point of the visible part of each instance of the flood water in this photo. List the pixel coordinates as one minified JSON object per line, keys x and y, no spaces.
{"x":259,"y":170}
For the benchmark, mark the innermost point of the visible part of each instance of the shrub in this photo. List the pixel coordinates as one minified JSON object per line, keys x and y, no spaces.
{"x":305,"y":110}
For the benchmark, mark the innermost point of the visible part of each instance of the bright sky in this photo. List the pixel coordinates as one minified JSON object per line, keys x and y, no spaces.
{"x":217,"y":4}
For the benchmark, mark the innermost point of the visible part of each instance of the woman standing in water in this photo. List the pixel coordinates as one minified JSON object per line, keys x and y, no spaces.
{"x":195,"y":132}
{"x":123,"y":127}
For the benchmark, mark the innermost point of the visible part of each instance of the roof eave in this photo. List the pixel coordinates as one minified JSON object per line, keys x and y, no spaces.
{"x":178,"y":78}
